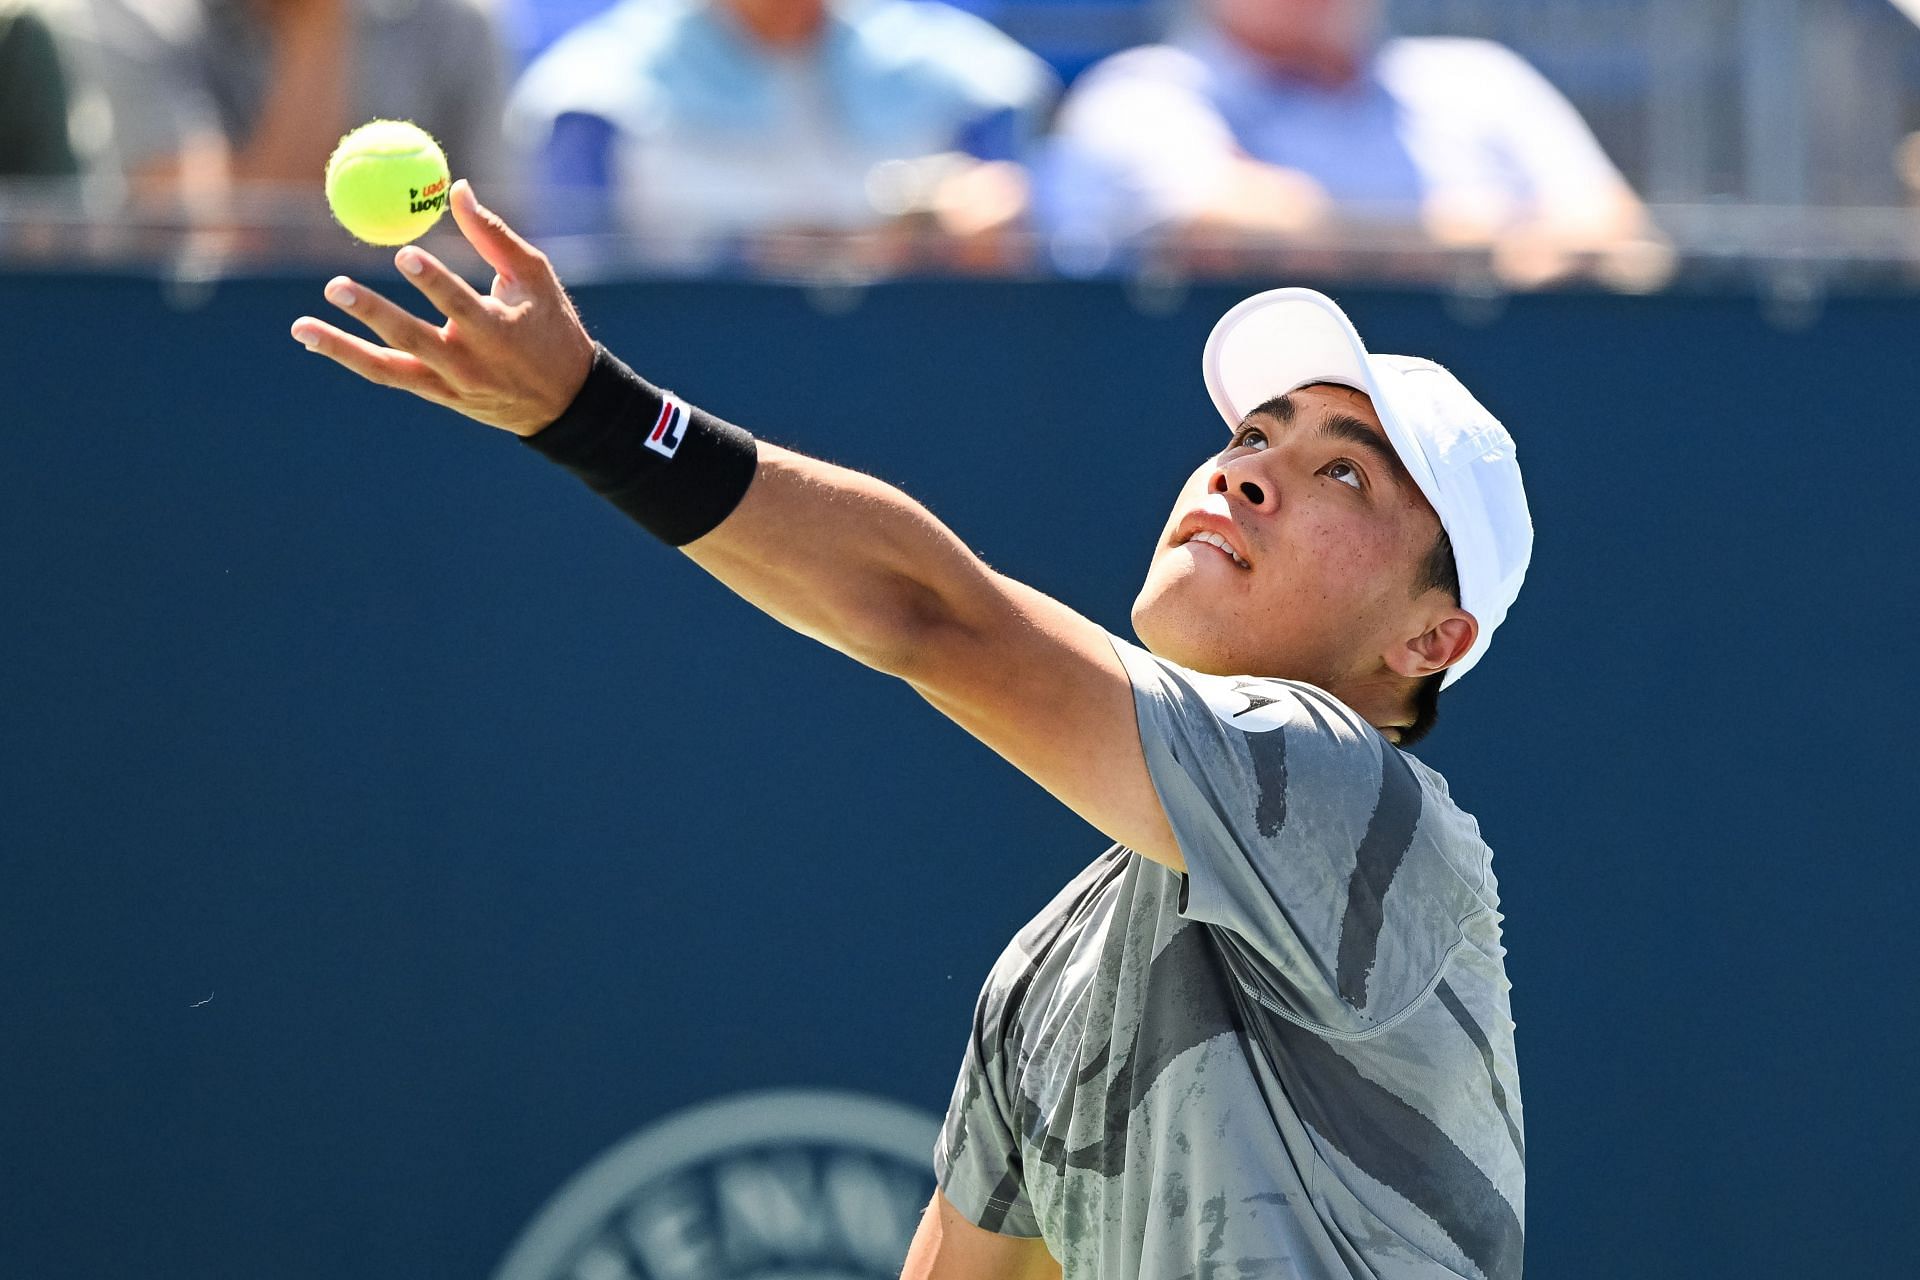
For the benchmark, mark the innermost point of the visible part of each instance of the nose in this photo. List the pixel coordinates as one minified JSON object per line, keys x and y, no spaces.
{"x":1237,"y":480}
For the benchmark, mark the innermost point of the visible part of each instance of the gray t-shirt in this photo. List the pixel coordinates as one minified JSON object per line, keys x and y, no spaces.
{"x":1295,"y":1061}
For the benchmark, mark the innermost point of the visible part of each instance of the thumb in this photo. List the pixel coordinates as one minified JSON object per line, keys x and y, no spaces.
{"x":499,"y":245}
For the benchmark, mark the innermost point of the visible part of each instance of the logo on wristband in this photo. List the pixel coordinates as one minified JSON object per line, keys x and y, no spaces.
{"x":669,"y":429}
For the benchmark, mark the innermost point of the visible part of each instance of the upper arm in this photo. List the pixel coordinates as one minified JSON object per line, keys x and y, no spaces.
{"x":1043,"y":687}
{"x":948,"y":1247}
{"x":857,"y":564}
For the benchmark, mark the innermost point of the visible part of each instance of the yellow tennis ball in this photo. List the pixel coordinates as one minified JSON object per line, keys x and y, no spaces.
{"x":387,"y":182}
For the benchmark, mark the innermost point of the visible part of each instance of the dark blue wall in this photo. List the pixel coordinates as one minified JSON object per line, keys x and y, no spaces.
{"x":494,"y":830}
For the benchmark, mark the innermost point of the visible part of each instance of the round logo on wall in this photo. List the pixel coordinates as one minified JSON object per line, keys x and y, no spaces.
{"x":793,"y":1184}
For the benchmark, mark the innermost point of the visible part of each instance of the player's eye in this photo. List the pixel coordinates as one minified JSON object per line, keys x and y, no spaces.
{"x":1248,"y":437}
{"x":1345,"y":472}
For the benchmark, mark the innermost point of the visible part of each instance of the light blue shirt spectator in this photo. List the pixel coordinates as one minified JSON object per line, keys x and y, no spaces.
{"x":674,"y":120}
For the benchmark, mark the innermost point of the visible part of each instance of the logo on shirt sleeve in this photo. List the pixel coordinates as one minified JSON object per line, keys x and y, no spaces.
{"x":1248,"y":704}
{"x":669,"y":429}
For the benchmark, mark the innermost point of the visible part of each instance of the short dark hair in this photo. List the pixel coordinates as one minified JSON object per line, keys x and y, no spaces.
{"x":1437,"y":572}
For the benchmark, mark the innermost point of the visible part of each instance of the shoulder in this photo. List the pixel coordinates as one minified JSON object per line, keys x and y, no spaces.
{"x":1452,"y":65}
{"x":1333,"y":761}
{"x":932,"y":42}
{"x":1149,"y":64}
{"x":1452,"y":53}
{"x":928,"y":29}
{"x":633,"y":33}
{"x":1250,"y":705}
{"x":605,"y":65}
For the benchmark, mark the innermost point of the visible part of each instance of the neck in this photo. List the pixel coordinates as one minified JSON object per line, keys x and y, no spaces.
{"x":780,"y":24}
{"x":1384,"y":701}
{"x":1329,"y":64}
{"x":1327,"y":68}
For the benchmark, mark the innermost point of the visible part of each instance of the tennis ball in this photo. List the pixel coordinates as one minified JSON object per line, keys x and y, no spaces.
{"x":387,"y":182}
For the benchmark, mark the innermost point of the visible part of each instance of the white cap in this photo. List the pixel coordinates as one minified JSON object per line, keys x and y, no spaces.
{"x":1458,"y":453}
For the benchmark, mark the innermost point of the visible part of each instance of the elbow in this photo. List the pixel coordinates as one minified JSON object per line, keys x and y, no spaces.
{"x":903,"y":633}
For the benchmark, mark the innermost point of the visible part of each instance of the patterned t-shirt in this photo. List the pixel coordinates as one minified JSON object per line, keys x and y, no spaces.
{"x":1294,"y":1061}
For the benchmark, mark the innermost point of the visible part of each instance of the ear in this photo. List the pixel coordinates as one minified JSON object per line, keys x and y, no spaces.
{"x":1442,"y":644}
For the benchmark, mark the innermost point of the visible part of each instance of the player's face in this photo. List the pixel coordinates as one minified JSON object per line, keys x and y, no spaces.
{"x":1327,"y":535}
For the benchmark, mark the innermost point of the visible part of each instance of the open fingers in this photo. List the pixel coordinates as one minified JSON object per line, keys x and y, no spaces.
{"x":394,"y":324}
{"x":500,"y":245}
{"x":455,"y":297}
{"x":378,"y":365}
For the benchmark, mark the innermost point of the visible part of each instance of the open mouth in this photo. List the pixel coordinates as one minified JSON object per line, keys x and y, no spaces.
{"x":1220,"y":544}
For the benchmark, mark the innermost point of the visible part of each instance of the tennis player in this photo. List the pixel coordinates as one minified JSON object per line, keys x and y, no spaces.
{"x":1266,"y":1033}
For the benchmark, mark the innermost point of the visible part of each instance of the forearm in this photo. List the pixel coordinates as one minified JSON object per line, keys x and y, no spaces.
{"x":844,"y":558}
{"x":1253,"y":198}
{"x":837,"y":555}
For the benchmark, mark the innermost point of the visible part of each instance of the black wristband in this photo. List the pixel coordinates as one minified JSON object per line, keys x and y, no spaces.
{"x":677,"y":470}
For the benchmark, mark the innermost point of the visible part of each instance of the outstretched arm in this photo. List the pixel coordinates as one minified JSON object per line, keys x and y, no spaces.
{"x":835,"y":554}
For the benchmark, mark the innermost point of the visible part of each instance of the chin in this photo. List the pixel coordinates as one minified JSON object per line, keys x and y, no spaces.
{"x":1177,"y":618}
{"x":1171,"y":627}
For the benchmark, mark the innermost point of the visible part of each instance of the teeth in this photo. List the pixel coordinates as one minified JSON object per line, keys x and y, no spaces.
{"x":1215,"y":540}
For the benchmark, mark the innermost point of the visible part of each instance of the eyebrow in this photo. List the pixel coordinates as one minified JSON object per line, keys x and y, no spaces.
{"x":1344,"y":427}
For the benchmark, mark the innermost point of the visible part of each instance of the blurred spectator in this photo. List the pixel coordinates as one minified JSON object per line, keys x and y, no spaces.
{"x":1072,"y":35}
{"x":33,"y":98}
{"x":713,"y":127}
{"x":1274,"y":119}
{"x":213,"y":98}
{"x":530,"y":26}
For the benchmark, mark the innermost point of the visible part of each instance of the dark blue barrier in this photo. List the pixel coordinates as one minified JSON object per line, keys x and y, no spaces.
{"x":388,"y":827}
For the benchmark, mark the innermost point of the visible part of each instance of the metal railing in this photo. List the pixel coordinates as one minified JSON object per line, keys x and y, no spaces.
{"x":1784,"y":251}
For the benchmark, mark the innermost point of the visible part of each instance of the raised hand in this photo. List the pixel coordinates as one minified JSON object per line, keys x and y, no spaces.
{"x":513,"y":359}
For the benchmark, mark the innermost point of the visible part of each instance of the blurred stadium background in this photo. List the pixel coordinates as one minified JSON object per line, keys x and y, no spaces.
{"x":390,"y":830}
